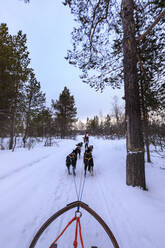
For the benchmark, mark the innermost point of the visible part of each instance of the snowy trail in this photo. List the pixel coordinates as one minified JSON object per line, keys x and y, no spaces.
{"x":35,"y":177}
{"x":37,"y":185}
{"x":26,"y":166}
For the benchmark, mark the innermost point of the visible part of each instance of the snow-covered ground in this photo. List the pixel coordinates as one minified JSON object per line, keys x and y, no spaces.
{"x":34,"y":185}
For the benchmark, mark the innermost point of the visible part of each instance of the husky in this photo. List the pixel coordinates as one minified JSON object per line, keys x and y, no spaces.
{"x":71,"y":159}
{"x":90,"y":148}
{"x":88,"y":162}
{"x":78,"y":148}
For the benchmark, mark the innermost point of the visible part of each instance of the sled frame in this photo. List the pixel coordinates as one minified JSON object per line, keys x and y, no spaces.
{"x":67,"y":208}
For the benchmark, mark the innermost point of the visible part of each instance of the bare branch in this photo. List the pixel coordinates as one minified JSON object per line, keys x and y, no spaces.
{"x":95,"y":26}
{"x":94,"y":15}
{"x":141,"y":37}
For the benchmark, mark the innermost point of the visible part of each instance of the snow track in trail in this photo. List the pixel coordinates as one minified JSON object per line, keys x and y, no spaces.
{"x":26,"y":166}
{"x":42,"y":178}
{"x":54,"y":201}
{"x":118,"y":223}
{"x":109,"y":206}
{"x":112,"y":207}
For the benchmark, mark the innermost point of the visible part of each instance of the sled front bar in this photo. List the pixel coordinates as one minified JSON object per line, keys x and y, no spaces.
{"x":65,"y":209}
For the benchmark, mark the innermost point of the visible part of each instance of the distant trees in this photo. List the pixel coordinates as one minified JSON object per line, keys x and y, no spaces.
{"x":157,"y":132}
{"x":65,"y":112}
{"x":106,"y":127}
{"x":93,"y":125}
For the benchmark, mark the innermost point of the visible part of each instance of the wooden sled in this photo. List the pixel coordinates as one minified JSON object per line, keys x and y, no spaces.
{"x":65,"y":209}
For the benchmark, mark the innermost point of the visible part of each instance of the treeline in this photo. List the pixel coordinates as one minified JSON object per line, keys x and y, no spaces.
{"x":110,"y":126}
{"x":107,"y":127}
{"x":113,"y":126}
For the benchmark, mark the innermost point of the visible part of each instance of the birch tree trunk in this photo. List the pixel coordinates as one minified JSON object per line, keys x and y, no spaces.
{"x":135,"y":171}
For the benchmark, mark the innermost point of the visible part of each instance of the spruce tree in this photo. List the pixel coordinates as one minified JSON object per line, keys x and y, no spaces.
{"x":19,"y":72}
{"x":65,"y":112}
{"x":6,"y":85}
{"x":34,"y":102}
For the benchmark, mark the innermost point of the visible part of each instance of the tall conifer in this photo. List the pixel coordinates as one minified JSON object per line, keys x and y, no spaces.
{"x":65,"y":111}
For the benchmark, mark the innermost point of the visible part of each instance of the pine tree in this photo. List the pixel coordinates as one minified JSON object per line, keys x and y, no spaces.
{"x":19,"y":76}
{"x":6,"y":85}
{"x":20,"y":92}
{"x":150,"y":55}
{"x":34,"y":102}
{"x":135,"y":146}
{"x":65,"y":111}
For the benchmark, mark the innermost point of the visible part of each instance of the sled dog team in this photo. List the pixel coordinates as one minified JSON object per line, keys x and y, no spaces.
{"x":71,"y":159}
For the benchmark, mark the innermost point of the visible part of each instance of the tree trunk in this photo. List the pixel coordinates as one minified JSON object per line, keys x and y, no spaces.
{"x":13,"y":123}
{"x":27,"y":124}
{"x":26,"y":133}
{"x":147,"y":139}
{"x":15,"y":142}
{"x":12,"y":131}
{"x":135,"y":171}
{"x":13,"y":120}
{"x":145,"y":124}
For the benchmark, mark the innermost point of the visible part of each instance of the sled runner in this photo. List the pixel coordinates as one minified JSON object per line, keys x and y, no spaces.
{"x":76,"y":218}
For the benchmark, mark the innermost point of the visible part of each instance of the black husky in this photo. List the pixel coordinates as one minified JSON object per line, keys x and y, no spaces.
{"x":78,"y":148}
{"x":71,"y":159}
{"x":88,"y":162}
{"x":90,"y":148}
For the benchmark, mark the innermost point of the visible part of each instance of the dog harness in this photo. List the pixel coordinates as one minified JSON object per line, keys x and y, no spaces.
{"x":86,"y":154}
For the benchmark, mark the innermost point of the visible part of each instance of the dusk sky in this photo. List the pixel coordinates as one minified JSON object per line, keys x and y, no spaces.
{"x":48,"y":25}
